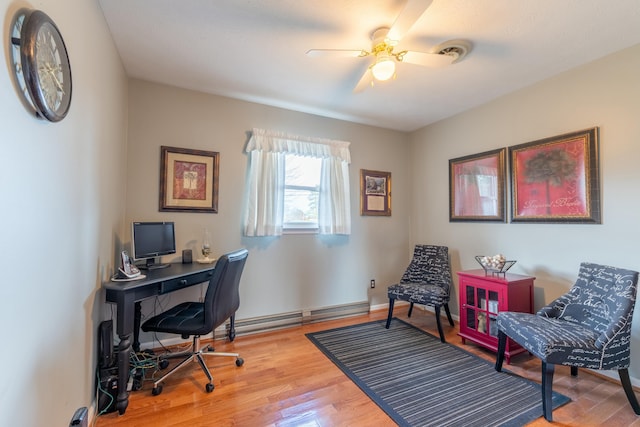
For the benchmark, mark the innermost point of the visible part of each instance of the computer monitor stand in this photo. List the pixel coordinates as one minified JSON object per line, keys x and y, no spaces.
{"x":151,"y":264}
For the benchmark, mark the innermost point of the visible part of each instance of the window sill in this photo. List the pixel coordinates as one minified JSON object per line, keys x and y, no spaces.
{"x":299,"y":231}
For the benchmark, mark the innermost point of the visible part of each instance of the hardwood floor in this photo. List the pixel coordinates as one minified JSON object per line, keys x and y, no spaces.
{"x":286,"y":381}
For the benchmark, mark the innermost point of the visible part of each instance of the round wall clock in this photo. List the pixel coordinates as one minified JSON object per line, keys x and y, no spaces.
{"x":41,"y":64}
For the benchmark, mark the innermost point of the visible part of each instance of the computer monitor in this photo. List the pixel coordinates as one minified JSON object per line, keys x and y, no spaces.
{"x":150,"y":240}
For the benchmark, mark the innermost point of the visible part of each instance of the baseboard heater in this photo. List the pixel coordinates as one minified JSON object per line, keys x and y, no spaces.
{"x":296,"y":318}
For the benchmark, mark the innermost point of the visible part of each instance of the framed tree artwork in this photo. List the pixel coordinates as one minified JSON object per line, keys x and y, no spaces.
{"x":477,"y":187}
{"x":556,"y":179}
{"x":375,"y":193}
{"x":188,"y":180}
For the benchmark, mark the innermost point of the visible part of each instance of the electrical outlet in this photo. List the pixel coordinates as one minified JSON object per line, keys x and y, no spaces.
{"x":373,"y":283}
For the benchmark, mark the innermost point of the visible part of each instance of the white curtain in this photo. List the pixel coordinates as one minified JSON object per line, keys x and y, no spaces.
{"x":265,"y":205}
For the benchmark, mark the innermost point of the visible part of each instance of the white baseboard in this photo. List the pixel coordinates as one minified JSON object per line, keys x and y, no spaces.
{"x":279,"y":321}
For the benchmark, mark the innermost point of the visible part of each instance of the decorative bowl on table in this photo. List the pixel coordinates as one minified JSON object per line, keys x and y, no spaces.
{"x":496,"y":264}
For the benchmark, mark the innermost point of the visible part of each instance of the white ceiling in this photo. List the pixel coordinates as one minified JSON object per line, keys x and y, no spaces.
{"x":254,"y":50}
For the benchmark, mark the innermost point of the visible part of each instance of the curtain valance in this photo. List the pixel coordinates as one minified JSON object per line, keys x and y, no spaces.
{"x":279,"y":142}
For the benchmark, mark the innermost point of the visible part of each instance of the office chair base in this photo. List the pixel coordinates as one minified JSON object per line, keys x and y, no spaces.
{"x":196,"y":356}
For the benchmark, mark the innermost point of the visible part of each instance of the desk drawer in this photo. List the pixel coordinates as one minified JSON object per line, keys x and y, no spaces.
{"x":184,"y":282}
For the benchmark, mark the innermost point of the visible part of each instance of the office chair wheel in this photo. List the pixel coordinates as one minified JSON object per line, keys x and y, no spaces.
{"x":209,"y":387}
{"x":163,"y":364}
{"x":239,"y":361}
{"x":157,"y":390}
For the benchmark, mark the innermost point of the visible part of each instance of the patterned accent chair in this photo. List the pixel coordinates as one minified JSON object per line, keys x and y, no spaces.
{"x":588,"y":327}
{"x":426,"y":281}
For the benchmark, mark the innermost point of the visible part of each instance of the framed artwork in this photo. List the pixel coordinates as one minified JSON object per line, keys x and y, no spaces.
{"x":556,"y":179}
{"x":188,"y":180}
{"x":477,"y":187}
{"x":375,"y":193}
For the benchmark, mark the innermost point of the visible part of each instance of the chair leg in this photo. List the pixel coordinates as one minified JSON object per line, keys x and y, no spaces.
{"x":219,"y":354}
{"x":410,"y":310}
{"x":204,"y":367}
{"x":232,"y":327}
{"x":390,"y":315}
{"x":173,"y":370}
{"x":547,"y":390}
{"x":502,"y":345}
{"x":437,"y":308}
{"x":446,"y":309}
{"x":196,"y":354}
{"x":628,"y":389}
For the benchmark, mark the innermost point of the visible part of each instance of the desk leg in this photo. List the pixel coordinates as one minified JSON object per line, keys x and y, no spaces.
{"x":137,"y":317}
{"x":126,"y":320}
{"x":124,"y":349}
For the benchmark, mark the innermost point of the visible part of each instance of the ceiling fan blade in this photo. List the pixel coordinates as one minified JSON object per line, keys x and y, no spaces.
{"x":365,"y":81}
{"x":336,"y":53}
{"x":412,"y":11}
{"x":433,"y":60}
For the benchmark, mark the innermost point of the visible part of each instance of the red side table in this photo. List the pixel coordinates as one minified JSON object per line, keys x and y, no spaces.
{"x":482,"y":297}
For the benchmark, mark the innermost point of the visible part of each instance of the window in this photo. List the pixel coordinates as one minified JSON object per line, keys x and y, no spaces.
{"x":296,"y":182}
{"x":301,"y":192}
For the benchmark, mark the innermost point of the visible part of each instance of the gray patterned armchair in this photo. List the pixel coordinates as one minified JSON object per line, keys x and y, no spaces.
{"x":588,"y":327}
{"x":426,"y":281}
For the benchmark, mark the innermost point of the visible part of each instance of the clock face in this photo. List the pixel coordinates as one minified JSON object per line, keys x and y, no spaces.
{"x":43,"y":68}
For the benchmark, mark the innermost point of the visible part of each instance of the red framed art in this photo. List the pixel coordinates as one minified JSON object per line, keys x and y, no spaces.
{"x":188,"y":180}
{"x":556,"y":179}
{"x":477,"y":187}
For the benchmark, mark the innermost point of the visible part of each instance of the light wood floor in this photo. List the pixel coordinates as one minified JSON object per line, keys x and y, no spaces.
{"x":286,"y":381}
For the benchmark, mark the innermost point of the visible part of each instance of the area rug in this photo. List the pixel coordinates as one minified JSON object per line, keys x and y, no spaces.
{"x":419,"y":381}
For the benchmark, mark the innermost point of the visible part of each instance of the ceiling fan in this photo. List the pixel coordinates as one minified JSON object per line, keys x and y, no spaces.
{"x":384,"y":40}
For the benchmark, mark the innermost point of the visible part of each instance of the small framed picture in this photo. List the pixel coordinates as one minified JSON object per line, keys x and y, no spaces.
{"x":375,"y":193}
{"x":188,"y":180}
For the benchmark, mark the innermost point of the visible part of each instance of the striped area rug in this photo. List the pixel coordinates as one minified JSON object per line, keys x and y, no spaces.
{"x":419,"y":381}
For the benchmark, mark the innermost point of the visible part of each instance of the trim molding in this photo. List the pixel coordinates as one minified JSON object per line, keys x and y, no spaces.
{"x":295,"y":318}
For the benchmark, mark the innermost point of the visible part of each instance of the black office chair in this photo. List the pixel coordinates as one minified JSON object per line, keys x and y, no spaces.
{"x":198,"y":318}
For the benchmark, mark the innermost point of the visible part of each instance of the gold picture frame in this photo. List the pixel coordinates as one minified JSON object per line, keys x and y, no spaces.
{"x":375,"y":193}
{"x":477,"y":187}
{"x":188,"y":180}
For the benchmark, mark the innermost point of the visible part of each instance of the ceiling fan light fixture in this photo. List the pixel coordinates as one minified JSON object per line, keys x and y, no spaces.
{"x":384,"y":68}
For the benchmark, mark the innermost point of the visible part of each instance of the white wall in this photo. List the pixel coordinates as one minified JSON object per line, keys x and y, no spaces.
{"x":605,"y":93}
{"x":283,"y":274}
{"x":62,"y":188}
